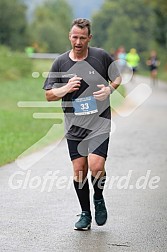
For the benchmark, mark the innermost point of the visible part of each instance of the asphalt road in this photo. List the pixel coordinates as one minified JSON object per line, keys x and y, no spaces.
{"x":38,"y":204}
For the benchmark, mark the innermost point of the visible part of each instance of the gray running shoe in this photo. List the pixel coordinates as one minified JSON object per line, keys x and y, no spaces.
{"x":84,"y":222}
{"x":100,"y":212}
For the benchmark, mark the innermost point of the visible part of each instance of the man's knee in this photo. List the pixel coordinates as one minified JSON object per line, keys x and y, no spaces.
{"x":97,"y":173}
{"x":96,"y":164}
{"x":80,"y":168}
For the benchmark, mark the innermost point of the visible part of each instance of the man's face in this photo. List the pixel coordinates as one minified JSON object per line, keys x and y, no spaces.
{"x":79,"y":39}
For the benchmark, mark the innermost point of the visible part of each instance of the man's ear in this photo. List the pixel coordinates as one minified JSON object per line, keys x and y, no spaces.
{"x":69,"y":35}
{"x":90,"y":37}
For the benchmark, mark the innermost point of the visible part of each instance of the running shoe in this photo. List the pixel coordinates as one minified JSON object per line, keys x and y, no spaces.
{"x":100,"y":212}
{"x":84,"y":222}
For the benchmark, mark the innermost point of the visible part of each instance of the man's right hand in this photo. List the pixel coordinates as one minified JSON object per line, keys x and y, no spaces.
{"x":56,"y":94}
{"x":73,"y":84}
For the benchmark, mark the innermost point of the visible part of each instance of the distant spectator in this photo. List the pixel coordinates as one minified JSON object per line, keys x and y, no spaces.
{"x":133,"y":59}
{"x":121,"y":54}
{"x":153,"y":63}
{"x":29,"y":50}
{"x":121,"y":57}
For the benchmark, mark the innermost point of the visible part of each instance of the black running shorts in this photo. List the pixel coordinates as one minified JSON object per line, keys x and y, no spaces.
{"x":81,"y":148}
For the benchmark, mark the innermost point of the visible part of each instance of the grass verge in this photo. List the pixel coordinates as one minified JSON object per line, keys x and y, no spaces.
{"x":18,"y":129}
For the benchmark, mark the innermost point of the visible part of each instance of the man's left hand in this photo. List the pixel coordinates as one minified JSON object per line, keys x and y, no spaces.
{"x":103,"y":93}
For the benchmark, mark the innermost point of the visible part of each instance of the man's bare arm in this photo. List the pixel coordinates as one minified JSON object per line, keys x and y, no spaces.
{"x":105,"y":91}
{"x":56,"y":94}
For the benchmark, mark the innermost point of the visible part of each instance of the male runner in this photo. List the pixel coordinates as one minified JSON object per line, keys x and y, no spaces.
{"x":80,"y":77}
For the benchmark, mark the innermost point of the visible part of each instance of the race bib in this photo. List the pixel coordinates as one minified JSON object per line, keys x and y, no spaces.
{"x":85,"y":106}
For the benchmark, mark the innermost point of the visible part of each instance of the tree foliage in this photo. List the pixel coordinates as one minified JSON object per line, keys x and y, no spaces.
{"x":127,"y":23}
{"x":161,"y":4}
{"x":51,"y":24}
{"x":138,"y":23}
{"x":13,"y":24}
{"x":160,"y":31}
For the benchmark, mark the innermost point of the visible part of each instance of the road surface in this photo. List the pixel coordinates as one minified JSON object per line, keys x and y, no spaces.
{"x":39,"y":205}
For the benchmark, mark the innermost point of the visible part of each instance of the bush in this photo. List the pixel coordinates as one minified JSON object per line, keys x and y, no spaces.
{"x":14,"y":65}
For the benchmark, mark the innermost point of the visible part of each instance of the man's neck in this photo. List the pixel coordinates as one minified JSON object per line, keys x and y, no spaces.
{"x":77,"y":56}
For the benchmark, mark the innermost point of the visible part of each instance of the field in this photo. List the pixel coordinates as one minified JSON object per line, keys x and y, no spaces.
{"x":18,"y":129}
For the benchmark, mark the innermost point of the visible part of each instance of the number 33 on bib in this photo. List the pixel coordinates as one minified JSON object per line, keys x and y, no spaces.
{"x":85,"y":106}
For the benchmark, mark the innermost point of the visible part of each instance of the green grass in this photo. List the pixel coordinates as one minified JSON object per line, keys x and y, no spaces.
{"x":162,"y":74}
{"x":117,"y":100}
{"x":18,"y":129}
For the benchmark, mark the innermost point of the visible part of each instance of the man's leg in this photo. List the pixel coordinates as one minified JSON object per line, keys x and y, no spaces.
{"x":80,"y":169}
{"x":154,"y":77}
{"x":98,"y":180}
{"x":96,"y":163}
{"x":98,"y":176}
{"x":81,"y":185}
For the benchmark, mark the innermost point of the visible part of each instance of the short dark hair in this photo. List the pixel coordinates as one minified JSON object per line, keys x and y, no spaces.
{"x":82,"y":23}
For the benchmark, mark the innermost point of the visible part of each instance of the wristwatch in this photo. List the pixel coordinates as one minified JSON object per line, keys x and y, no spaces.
{"x":111,"y":89}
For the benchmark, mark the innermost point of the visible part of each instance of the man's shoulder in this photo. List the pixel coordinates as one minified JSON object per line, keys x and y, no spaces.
{"x":94,"y":51}
{"x":61,"y":59}
{"x":100,"y":55}
{"x":63,"y":56}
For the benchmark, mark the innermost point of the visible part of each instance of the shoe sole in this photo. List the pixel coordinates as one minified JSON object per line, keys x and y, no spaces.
{"x":101,"y":224}
{"x":83,"y":229}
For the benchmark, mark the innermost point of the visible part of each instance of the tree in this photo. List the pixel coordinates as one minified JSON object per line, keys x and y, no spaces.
{"x":160,"y":31}
{"x":13,"y":24}
{"x":51,"y":25}
{"x":118,"y":36}
{"x":125,"y":23}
